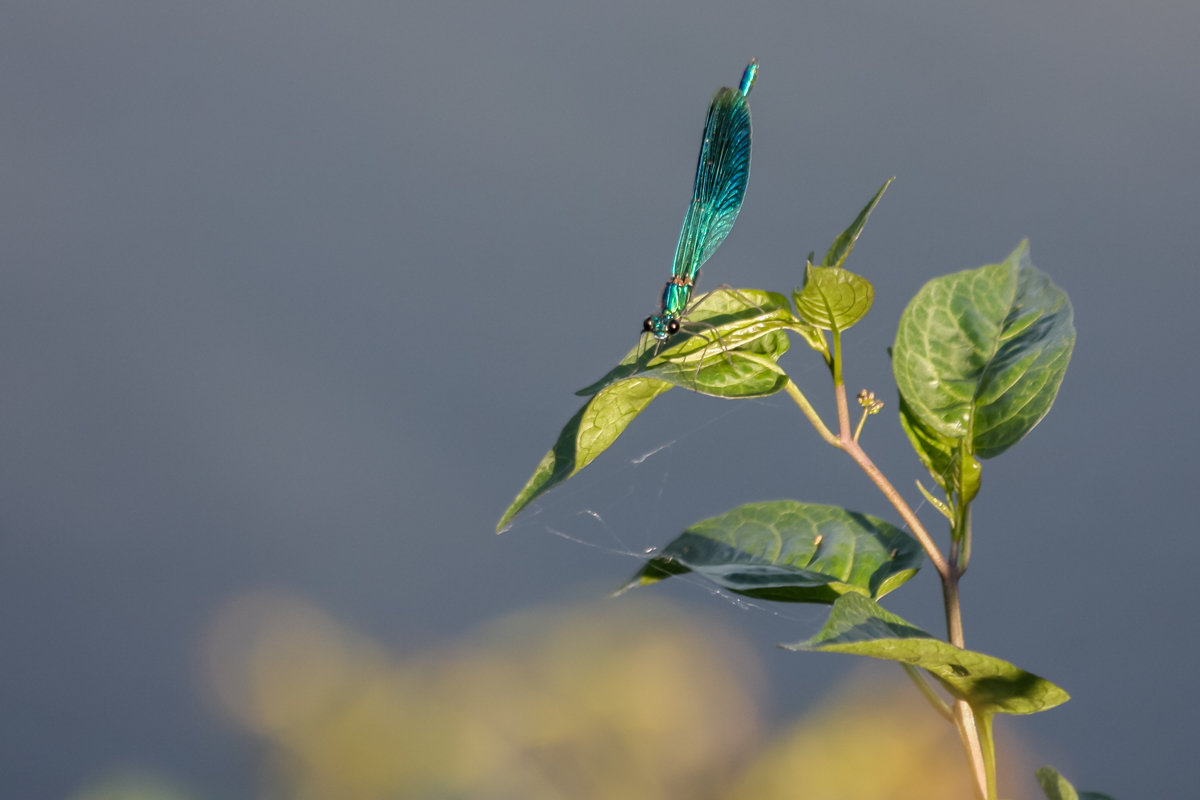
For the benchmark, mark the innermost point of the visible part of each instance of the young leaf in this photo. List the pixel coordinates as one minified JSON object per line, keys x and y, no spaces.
{"x":790,"y":551}
{"x":843,"y":244}
{"x":593,"y":428}
{"x":859,"y":626}
{"x":979,"y":355}
{"x":833,"y":298}
{"x":1057,"y":787}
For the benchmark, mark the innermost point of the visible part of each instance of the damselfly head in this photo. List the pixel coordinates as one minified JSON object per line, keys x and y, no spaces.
{"x":661,"y":326}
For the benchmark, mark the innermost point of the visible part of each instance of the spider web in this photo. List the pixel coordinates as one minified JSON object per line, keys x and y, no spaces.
{"x":619,"y":506}
{"x":626,"y":505}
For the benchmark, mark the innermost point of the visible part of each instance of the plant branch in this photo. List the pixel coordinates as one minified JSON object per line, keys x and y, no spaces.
{"x":861,"y":422}
{"x":964,"y":718}
{"x":965,"y":529}
{"x":854,"y":450}
{"x":950,"y":598}
{"x":939,"y":705}
{"x":988,"y":743}
{"x":794,"y":392}
{"x":948,"y":571}
{"x":976,"y":734}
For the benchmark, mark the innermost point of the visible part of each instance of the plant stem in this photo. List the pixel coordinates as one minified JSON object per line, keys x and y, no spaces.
{"x":964,"y":718}
{"x":978,"y":756}
{"x":798,"y":396}
{"x":965,"y":537}
{"x":988,"y":742}
{"x":939,"y":705}
{"x":861,"y":421}
{"x":855,"y":451}
{"x":836,"y":366}
{"x":948,"y":571}
{"x":954,"y":627}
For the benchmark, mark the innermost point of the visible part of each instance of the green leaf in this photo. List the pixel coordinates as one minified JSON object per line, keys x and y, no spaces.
{"x":593,"y":428}
{"x":718,"y":323}
{"x":954,"y":470}
{"x":833,"y":298}
{"x":935,"y":451}
{"x":791,"y":551}
{"x":979,"y":356}
{"x":1057,"y":787}
{"x":842,"y":245}
{"x":859,"y":626}
{"x":732,"y":374}
{"x":940,"y":505}
{"x":728,"y":350}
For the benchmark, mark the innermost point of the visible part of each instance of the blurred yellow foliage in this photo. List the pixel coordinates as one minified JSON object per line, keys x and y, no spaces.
{"x":630,"y":701}
{"x":130,"y":785}
{"x":875,"y":739}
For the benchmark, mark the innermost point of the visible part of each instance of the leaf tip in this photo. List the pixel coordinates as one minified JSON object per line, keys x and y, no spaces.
{"x":527,"y":494}
{"x":642,"y":578}
{"x":1020,"y":253}
{"x":505,"y":523}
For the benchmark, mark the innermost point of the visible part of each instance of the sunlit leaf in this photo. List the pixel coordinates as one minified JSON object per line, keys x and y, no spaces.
{"x":731,"y":374}
{"x":593,"y":428}
{"x":719,"y":322}
{"x":980,"y":355}
{"x":859,"y":626}
{"x":727,"y":348}
{"x":833,"y":298}
{"x":791,"y":551}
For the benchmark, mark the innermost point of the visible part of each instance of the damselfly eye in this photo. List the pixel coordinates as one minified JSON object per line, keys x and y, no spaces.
{"x":673,"y":326}
{"x":648,"y":325}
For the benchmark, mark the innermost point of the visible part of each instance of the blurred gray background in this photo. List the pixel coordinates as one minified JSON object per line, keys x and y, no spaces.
{"x":297,"y":294}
